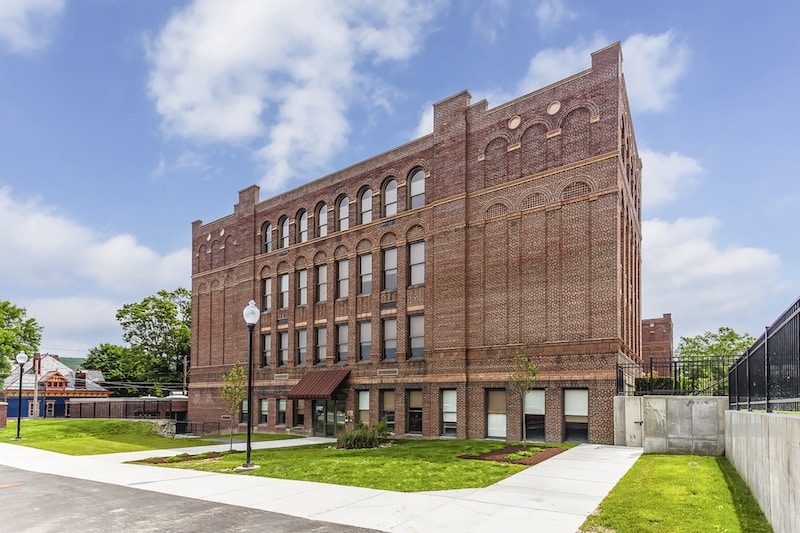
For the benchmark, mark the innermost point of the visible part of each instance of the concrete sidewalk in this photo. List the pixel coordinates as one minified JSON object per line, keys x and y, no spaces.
{"x":553,"y":496}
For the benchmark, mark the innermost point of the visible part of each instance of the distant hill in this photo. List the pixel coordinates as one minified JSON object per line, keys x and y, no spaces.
{"x":73,"y":362}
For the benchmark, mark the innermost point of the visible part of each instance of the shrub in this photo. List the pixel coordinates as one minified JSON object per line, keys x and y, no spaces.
{"x":363,"y":436}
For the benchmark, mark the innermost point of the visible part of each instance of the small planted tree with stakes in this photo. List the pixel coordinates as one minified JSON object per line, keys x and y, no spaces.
{"x":233,"y":394}
{"x":521,"y":379}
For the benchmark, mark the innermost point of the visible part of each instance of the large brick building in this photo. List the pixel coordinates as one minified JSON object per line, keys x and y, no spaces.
{"x":402,"y":287}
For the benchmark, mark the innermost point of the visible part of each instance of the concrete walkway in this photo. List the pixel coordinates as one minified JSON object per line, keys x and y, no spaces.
{"x":553,"y":496}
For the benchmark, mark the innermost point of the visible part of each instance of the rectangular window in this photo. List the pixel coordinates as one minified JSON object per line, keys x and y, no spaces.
{"x":416,"y":336}
{"x":414,"y":416}
{"x":322,"y":283}
{"x":389,"y":341}
{"x":341,"y":343}
{"x":416,"y":263}
{"x":263,"y":412}
{"x":283,"y":280}
{"x":576,"y":415}
{"x":281,"y":420}
{"x":534,"y":415}
{"x":342,"y":275}
{"x":301,"y":347}
{"x":364,"y":341}
{"x":302,"y":287}
{"x":365,"y":274}
{"x":387,"y":408}
{"x":363,"y":406}
{"x":50,"y":408}
{"x":389,"y":282}
{"x":266,"y":349}
{"x":320,"y":345}
{"x":266,"y":294}
{"x":283,"y":348}
{"x":299,"y":412}
{"x":496,"y":413}
{"x":449,"y":413}
{"x":243,"y":411}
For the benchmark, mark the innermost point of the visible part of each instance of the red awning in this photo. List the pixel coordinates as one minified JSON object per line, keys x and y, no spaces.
{"x":319,"y":385}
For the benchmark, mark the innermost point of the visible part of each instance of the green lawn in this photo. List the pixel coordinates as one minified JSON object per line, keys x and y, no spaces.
{"x":92,"y":436}
{"x":679,"y":493}
{"x":406,"y":466}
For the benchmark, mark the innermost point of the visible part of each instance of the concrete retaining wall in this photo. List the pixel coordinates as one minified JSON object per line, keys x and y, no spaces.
{"x":765,"y":449}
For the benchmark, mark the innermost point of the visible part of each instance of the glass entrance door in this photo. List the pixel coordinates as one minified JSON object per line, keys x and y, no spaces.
{"x":328,"y":417}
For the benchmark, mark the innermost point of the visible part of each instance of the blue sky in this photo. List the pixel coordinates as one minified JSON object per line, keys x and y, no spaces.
{"x":121,"y":122}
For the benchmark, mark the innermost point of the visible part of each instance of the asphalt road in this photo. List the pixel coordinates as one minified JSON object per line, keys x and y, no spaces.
{"x":42,"y":503}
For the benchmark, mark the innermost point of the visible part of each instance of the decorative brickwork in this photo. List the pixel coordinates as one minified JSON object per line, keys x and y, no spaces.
{"x":529,"y":223}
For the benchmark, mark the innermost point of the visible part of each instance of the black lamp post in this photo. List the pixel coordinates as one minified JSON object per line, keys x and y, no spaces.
{"x":21,"y":359}
{"x":251,"y":315}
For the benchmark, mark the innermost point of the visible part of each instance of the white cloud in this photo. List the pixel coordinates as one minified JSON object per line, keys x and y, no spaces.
{"x":425,"y":125}
{"x":551,"y":13}
{"x":74,"y":323}
{"x":25,"y":25}
{"x":652,"y":64}
{"x":489,"y":18}
{"x":51,"y":251}
{"x":685,"y":272}
{"x":276,"y":75}
{"x":665,"y":176}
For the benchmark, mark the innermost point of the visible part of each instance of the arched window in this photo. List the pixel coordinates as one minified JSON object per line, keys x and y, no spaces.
{"x":321,"y":220}
{"x":266,"y":237}
{"x":390,"y":198}
{"x":342,"y":213}
{"x":365,"y":206}
{"x":575,"y":189}
{"x":302,"y":226}
{"x":416,"y":189}
{"x":283,"y":232}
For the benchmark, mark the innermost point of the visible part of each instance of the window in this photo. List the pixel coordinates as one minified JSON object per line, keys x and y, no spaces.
{"x":416,"y":263}
{"x":576,"y":415}
{"x":389,"y":341}
{"x":301,"y":337}
{"x":266,"y":237}
{"x":414,"y":416}
{"x":281,"y":421}
{"x":302,"y":226}
{"x":266,"y":294}
{"x":341,"y":343}
{"x":389,"y":282}
{"x":50,"y":408}
{"x":416,"y":189}
{"x":322,"y":283}
{"x":534,"y":415}
{"x":342,"y":275}
{"x":343,"y":213}
{"x":266,"y":349}
{"x":299,"y":412}
{"x":243,"y":411}
{"x":320,"y":344}
{"x":321,"y":220}
{"x":283,"y":301}
{"x":364,"y":341}
{"x":263,"y":411}
{"x":387,"y":408}
{"x":283,"y":348}
{"x":496,"y":413}
{"x":390,"y":198}
{"x":302,"y":287}
{"x":365,"y":206}
{"x":283,"y":229}
{"x":416,"y":335}
{"x":449,"y":413}
{"x":363,"y":406}
{"x":365,"y":274}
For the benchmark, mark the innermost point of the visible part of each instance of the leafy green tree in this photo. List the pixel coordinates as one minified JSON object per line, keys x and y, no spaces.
{"x":521,"y":379}
{"x":17,"y":334}
{"x":708,"y":355}
{"x":233,"y":394}
{"x":120,"y":364}
{"x":159,"y":328}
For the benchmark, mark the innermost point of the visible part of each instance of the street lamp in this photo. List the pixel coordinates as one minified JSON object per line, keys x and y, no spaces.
{"x":21,"y":359}
{"x":251,"y":315}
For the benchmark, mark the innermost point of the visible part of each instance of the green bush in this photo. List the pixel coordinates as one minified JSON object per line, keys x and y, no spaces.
{"x":658,"y":384}
{"x":363,"y":436}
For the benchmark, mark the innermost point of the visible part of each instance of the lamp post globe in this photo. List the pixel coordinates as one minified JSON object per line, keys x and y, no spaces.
{"x":251,"y":314}
{"x":22,"y":358}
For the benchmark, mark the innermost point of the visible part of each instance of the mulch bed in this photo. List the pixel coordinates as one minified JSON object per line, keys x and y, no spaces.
{"x":501,"y":455}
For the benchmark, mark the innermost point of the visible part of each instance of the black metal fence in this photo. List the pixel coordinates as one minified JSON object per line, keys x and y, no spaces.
{"x":767,"y":376}
{"x":701,"y":376}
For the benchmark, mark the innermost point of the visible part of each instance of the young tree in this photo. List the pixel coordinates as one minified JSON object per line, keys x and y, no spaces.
{"x":17,"y":334}
{"x":521,"y":379}
{"x":159,"y":327}
{"x":233,"y":394}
